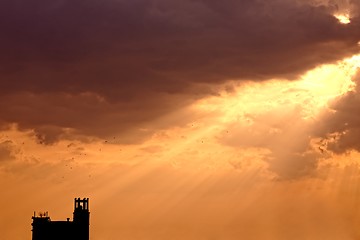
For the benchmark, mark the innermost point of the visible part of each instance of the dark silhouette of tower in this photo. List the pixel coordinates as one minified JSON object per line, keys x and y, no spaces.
{"x":78,"y":229}
{"x":81,"y":219}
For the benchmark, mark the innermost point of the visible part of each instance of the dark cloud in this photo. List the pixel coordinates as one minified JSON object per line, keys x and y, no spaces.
{"x":355,"y":8}
{"x":340,"y":127}
{"x":57,"y":116}
{"x":138,"y":60}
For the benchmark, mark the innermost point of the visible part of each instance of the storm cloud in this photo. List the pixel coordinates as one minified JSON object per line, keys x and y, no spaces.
{"x":101,"y":67}
{"x":341,"y":124}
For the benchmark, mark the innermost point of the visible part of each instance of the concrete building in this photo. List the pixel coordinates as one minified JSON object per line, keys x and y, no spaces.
{"x":78,"y":229}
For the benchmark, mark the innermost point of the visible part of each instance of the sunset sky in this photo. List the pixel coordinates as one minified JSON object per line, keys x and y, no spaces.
{"x":182,"y":119}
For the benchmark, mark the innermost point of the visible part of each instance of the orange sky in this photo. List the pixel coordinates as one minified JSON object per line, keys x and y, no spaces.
{"x":178,"y":123}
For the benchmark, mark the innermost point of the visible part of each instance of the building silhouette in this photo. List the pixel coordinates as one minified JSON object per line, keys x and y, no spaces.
{"x":78,"y":229}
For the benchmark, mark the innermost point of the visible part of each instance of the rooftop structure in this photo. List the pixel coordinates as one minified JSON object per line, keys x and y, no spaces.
{"x":78,"y":229}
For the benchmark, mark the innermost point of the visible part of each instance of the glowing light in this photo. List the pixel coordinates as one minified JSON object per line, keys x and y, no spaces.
{"x":343,"y":18}
{"x":353,"y":63}
{"x":312,"y":91}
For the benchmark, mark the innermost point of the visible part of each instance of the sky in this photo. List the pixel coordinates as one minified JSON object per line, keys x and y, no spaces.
{"x":182,"y":119}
